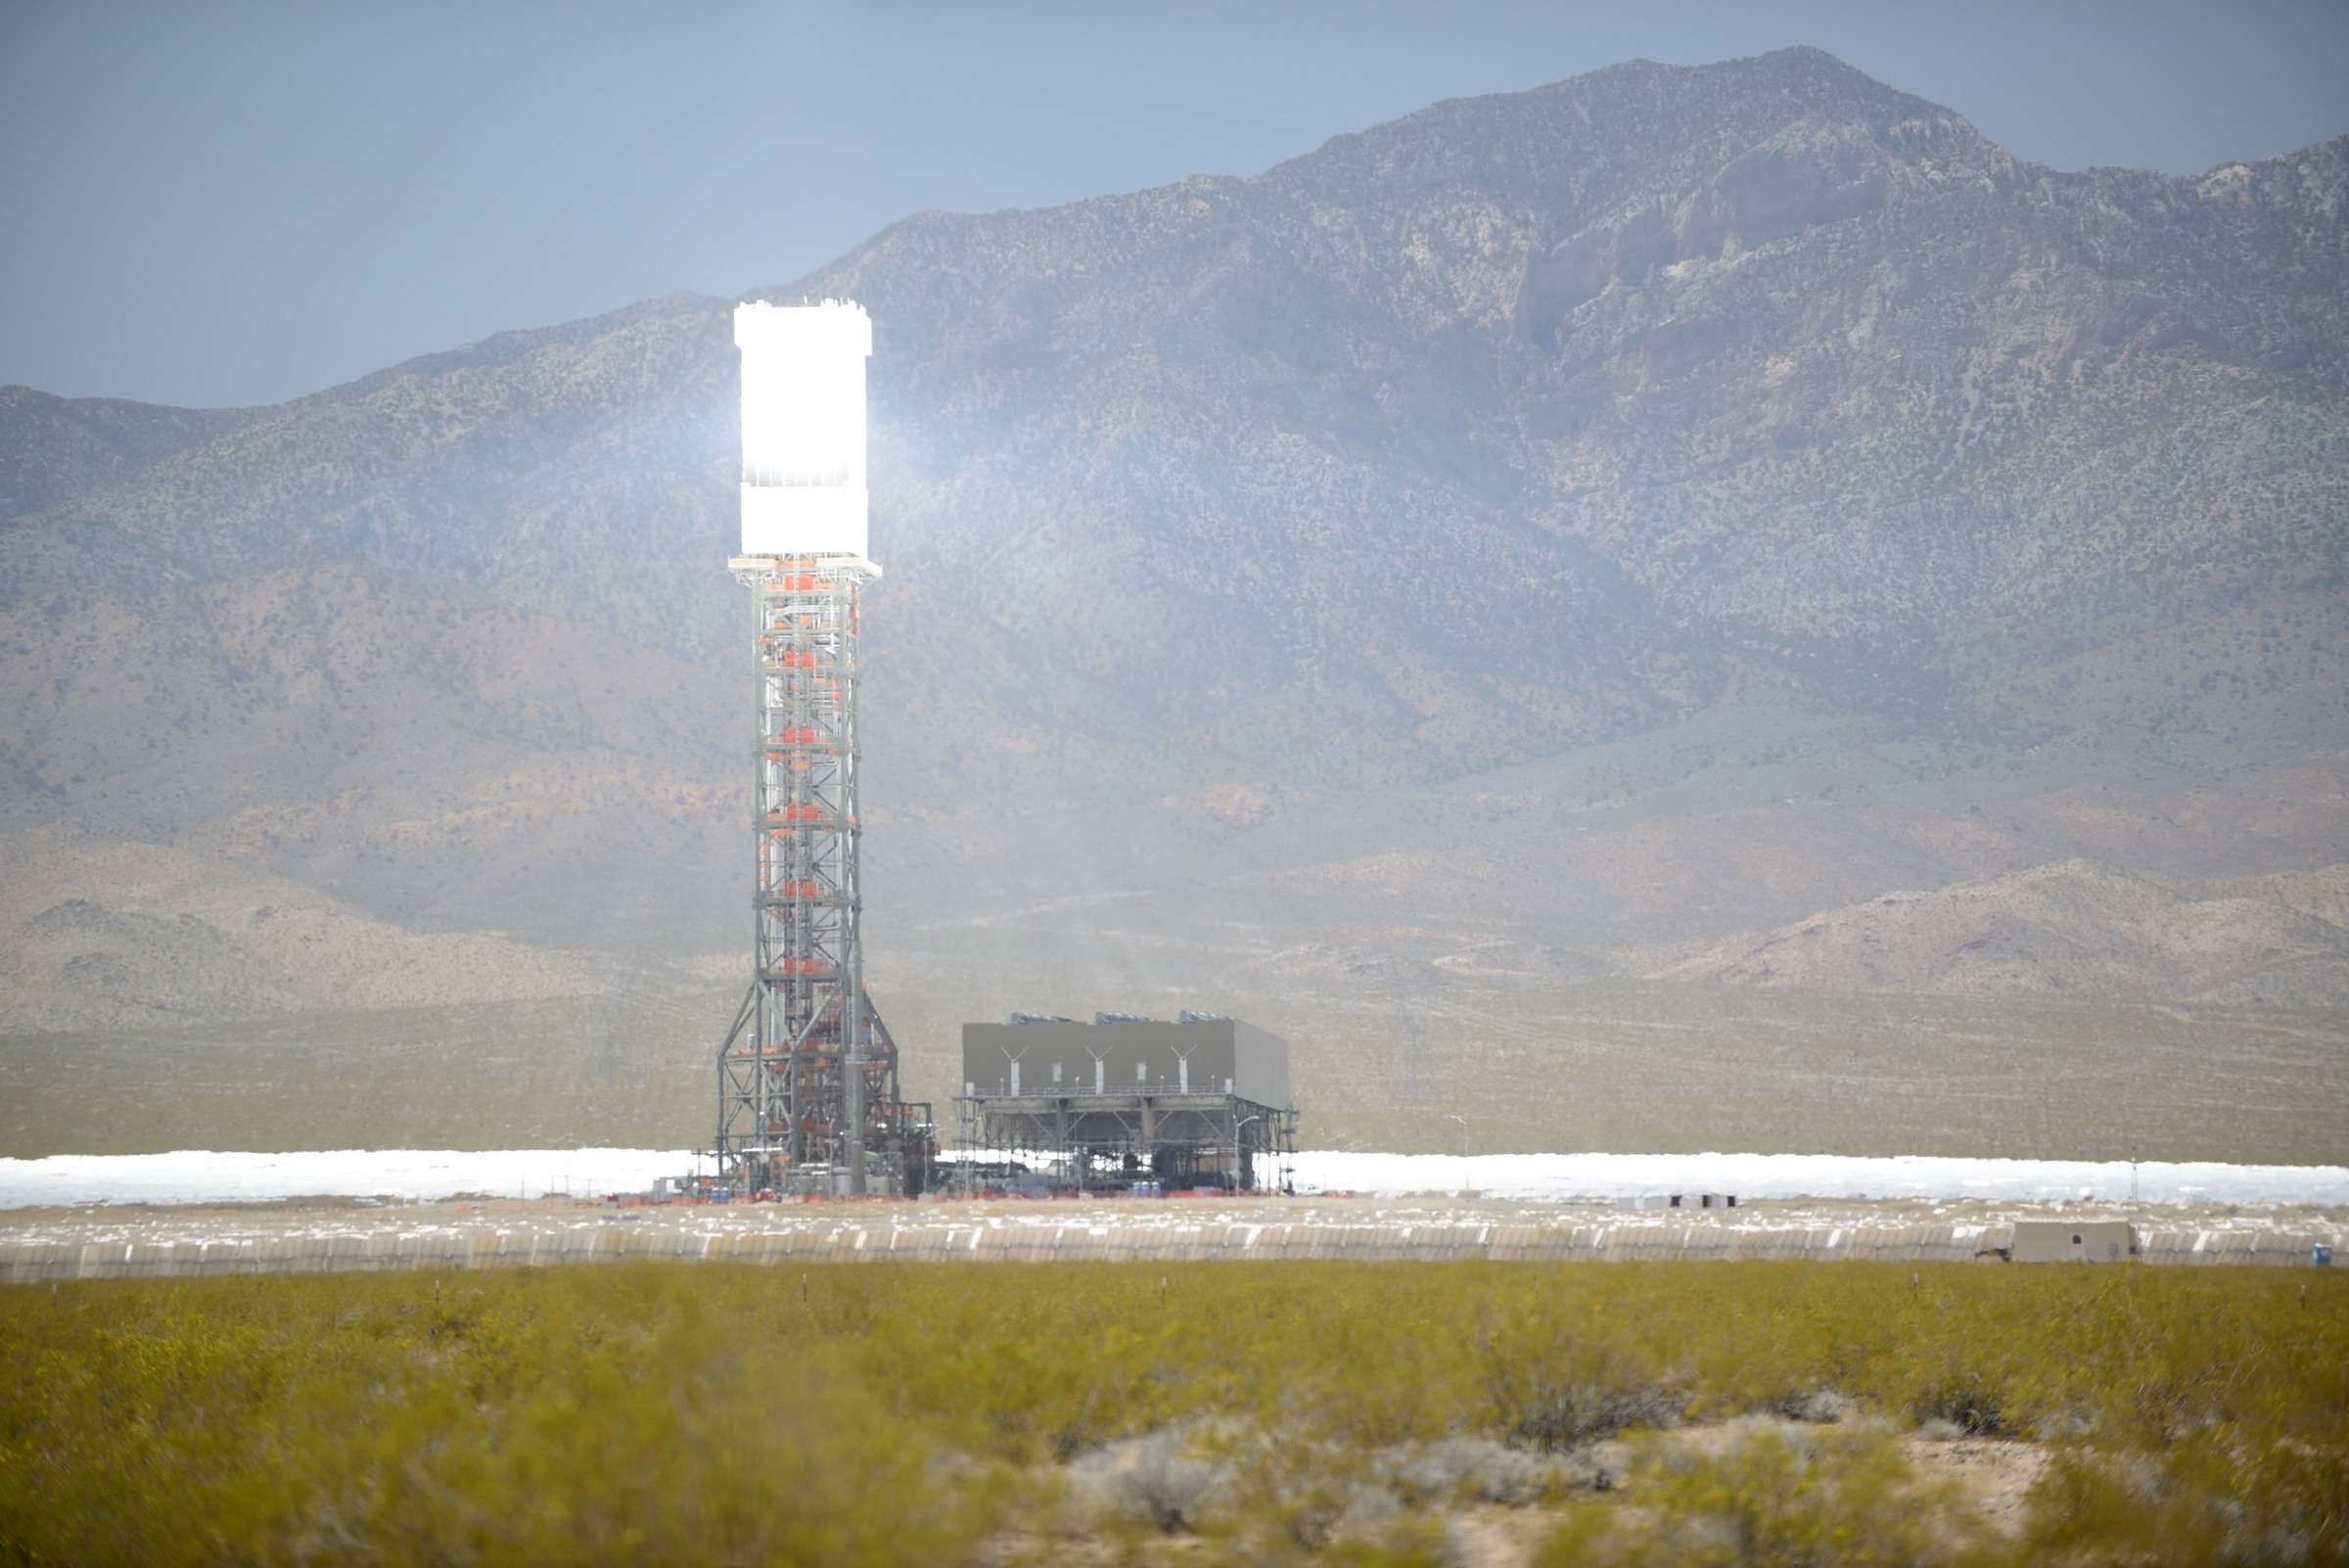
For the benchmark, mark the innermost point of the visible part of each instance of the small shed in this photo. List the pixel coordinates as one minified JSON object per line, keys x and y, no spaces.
{"x":2072,"y":1241}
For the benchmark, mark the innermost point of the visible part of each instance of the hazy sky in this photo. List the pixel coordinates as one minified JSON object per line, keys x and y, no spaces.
{"x":238,"y":203}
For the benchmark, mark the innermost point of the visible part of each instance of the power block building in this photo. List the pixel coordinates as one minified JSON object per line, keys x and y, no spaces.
{"x":1199,"y":1102}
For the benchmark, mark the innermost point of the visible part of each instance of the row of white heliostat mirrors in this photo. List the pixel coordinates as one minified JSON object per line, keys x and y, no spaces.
{"x":210,"y":1176}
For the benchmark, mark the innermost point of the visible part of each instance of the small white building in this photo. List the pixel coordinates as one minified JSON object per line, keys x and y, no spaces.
{"x":2072,"y":1241}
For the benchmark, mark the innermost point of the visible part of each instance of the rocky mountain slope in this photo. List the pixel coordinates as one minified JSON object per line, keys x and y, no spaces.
{"x":2081,"y":930}
{"x":1644,"y":509}
{"x":148,"y":938}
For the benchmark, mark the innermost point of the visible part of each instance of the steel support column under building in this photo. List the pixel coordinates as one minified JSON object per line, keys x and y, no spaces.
{"x":1096,"y":1139}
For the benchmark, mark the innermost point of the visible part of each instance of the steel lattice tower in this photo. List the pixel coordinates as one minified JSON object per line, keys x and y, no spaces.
{"x":808,"y":1075}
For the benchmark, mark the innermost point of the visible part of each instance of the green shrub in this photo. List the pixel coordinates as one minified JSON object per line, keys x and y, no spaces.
{"x":1843,"y":1497}
{"x":1556,"y":1387}
{"x":568,"y":1417}
{"x":2222,"y":1499}
{"x":727,"y":1412}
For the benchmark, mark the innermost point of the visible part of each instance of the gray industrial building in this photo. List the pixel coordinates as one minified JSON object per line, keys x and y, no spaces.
{"x":1201,"y":1101}
{"x":2072,"y":1241}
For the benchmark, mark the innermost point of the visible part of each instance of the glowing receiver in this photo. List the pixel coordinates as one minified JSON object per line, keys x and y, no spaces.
{"x":803,"y":426}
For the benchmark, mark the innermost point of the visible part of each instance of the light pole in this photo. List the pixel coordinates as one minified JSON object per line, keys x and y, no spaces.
{"x":1235,"y":1148}
{"x":1463,"y":1121}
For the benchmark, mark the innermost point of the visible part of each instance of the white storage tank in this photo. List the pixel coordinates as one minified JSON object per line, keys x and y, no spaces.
{"x":803,"y":426}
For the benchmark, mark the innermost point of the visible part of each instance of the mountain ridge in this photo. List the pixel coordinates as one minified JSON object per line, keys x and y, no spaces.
{"x":1646,"y":508}
{"x":2075,"y":929}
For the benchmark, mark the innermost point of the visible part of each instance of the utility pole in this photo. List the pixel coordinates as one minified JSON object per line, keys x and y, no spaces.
{"x":1235,"y":1148}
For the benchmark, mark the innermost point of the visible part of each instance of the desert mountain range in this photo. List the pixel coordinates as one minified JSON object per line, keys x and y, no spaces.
{"x":1730,"y":524}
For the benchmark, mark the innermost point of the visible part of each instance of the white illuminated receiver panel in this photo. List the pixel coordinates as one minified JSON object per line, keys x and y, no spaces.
{"x":803,"y":426}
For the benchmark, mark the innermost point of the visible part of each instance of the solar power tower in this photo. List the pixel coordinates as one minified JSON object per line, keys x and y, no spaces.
{"x":808,"y":1098}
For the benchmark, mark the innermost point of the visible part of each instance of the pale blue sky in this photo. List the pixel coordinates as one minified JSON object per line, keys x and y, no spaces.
{"x":238,"y":203}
